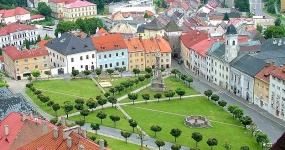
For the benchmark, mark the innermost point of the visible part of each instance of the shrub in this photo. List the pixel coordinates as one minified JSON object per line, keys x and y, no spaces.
{"x":29,"y":85}
{"x":54,"y":121}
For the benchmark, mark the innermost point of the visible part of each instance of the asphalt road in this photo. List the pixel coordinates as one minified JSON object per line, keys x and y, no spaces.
{"x":266,"y":122}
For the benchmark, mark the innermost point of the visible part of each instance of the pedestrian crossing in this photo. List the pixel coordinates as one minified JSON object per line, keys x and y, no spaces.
{"x":218,"y":92}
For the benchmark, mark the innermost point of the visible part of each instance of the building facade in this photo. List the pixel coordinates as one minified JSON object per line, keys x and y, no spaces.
{"x":112,"y":52}
{"x":14,"y":15}
{"x":151,"y":29}
{"x":79,"y":9}
{"x":136,"y":52}
{"x":19,"y":64}
{"x":15,"y":34}
{"x":173,"y":33}
{"x":277,"y":92}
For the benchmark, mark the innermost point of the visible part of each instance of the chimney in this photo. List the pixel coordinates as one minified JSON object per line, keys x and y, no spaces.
{"x":267,"y":64}
{"x":62,"y":121}
{"x":69,"y":142}
{"x":55,"y":132}
{"x":198,"y":32}
{"x":44,"y":124}
{"x":83,"y":132}
{"x":101,"y":144}
{"x":6,"y":128}
{"x":24,"y":117}
{"x":31,"y":115}
{"x":81,"y":147}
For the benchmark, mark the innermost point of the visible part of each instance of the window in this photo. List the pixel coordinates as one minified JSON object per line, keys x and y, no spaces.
{"x":35,"y":58}
{"x":141,"y":54}
{"x":111,"y":65}
{"x":117,"y":63}
{"x":45,"y":65}
{"x":93,"y":55}
{"x":110,"y":55}
{"x":18,"y":69}
{"x":123,"y":63}
{"x":26,"y":60}
{"x":53,"y":54}
{"x":87,"y":56}
{"x":26,"y":68}
{"x":99,"y":56}
{"x":16,"y":61}
{"x":72,"y":59}
{"x":106,"y":66}
{"x":117,"y":54}
{"x":130,"y":55}
{"x":36,"y":66}
{"x":122,"y":53}
{"x":81,"y":58}
{"x":105,"y":56}
{"x":167,"y":60}
{"x":131,"y":61}
{"x":81,"y":66}
{"x":234,"y":42}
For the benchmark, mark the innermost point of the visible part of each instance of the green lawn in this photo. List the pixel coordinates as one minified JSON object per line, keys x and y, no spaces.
{"x":91,"y":118}
{"x":60,"y":91}
{"x":117,"y":81}
{"x":274,"y":15}
{"x":171,"y":114}
{"x":116,"y":144}
{"x":171,"y":83}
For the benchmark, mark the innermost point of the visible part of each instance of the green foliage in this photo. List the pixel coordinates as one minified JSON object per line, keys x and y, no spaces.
{"x":102,"y":102}
{"x":238,"y":112}
{"x":112,"y":90}
{"x":158,"y":96}
{"x":86,"y":73}
{"x":80,"y":122}
{"x":155,"y":129}
{"x":50,"y":103}
{"x":215,"y":97}
{"x":91,"y":103}
{"x":28,"y":85}
{"x":74,"y":73}
{"x":95,"y":126}
{"x":110,"y":71}
{"x":175,"y":147}
{"x":44,"y":9}
{"x":180,"y":92}
{"x":244,"y":148}
{"x":107,"y":94}
{"x":67,"y":107}
{"x":243,"y":5}
{"x":98,"y":72}
{"x":38,"y":38}
{"x":146,"y":15}
{"x":212,"y":142}
{"x":146,"y":97}
{"x":274,"y":31}
{"x":4,"y":84}
{"x":48,"y":73}
{"x":133,"y":97}
{"x":261,"y":138}
{"x":54,"y":121}
{"x":222,"y":103}
{"x":208,"y":93}
{"x":189,"y":80}
{"x":270,"y":8}
{"x":227,"y":146}
{"x":126,"y":135}
{"x":159,"y":143}
{"x":277,"y":22}
{"x":133,"y":124}
{"x":197,"y":137}
{"x":105,"y":143}
{"x":147,"y":76}
{"x":136,"y":71}
{"x":27,"y":44}
{"x":226,"y":16}
{"x":64,"y":26}
{"x":245,"y":120}
{"x":112,"y":100}
{"x":169,"y":94}
{"x":79,"y":106}
{"x":84,"y":113}
{"x":259,"y":28}
{"x":101,"y":115}
{"x":175,"y":72}
{"x":148,"y":70}
{"x":161,"y":3}
{"x":115,"y":118}
{"x":175,"y":132}
{"x":79,"y":101}
{"x":55,"y":108}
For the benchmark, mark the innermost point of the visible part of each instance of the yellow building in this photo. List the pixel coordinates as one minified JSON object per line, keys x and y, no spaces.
{"x":79,"y":9}
{"x":70,"y":10}
{"x":20,"y":63}
{"x":282,"y":5}
{"x":136,"y":53}
{"x":261,"y":86}
{"x":151,"y":29}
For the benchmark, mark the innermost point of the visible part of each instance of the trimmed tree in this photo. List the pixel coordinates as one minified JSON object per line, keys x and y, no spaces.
{"x":95,"y":126}
{"x":101,"y":115}
{"x":245,"y":120}
{"x":113,"y":90}
{"x":98,"y":72}
{"x":126,"y":135}
{"x":121,"y":70}
{"x":215,"y":97}
{"x":115,"y":118}
{"x":158,"y":96}
{"x":175,"y":147}
{"x":133,"y":124}
{"x":55,"y":108}
{"x":80,"y":122}
{"x":91,"y":103}
{"x":159,"y":143}
{"x":197,"y":137}
{"x":112,"y":100}
{"x":261,"y":138}
{"x":212,"y":142}
{"x":175,"y":132}
{"x":180,"y":92}
{"x":244,"y":148}
{"x":222,"y":103}
{"x":119,"y":88}
{"x":102,"y":102}
{"x":133,"y":97}
{"x":86,"y":73}
{"x":147,"y":76}
{"x":146,"y":97}
{"x":148,"y":70}
{"x":155,"y":129}
{"x":141,"y":78}
{"x":110,"y":71}
{"x":136,"y":82}
{"x":136,"y":71}
{"x":208,"y":93}
{"x":107,"y":94}
{"x":50,"y":103}
{"x":169,"y":94}
{"x":36,"y":74}
{"x":189,"y":80}
{"x":231,"y":109}
{"x":84,"y":113}
{"x":175,"y":72}
{"x":48,"y":73}
{"x":74,"y":73}
{"x":238,"y":113}
{"x":67,"y":107}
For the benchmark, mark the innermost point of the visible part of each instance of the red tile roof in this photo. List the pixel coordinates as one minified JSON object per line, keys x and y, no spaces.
{"x":38,"y":16}
{"x":264,"y":73}
{"x":2,"y":58}
{"x":203,"y":46}
{"x":181,"y":3}
{"x":61,"y":144}
{"x":15,"y":126}
{"x":14,"y":27}
{"x":279,"y":72}
{"x":134,"y":44}
{"x":102,"y":31}
{"x":79,"y":4}
{"x":192,"y":38}
{"x":156,"y":44}
{"x":109,"y":42}
{"x":15,"y":54}
{"x":63,"y":1}
{"x":13,"y":12}
{"x":42,"y":43}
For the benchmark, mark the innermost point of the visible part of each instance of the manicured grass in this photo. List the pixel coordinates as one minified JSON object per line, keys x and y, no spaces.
{"x":116,"y":144}
{"x":123,"y":124}
{"x":171,"y":114}
{"x":274,"y":15}
{"x":117,"y":81}
{"x":60,"y":91}
{"x":171,"y":83}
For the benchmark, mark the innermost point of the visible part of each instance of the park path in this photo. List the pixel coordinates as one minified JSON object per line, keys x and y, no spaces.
{"x":96,"y":82}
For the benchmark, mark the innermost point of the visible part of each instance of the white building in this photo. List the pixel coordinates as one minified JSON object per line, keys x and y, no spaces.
{"x":277,"y":92}
{"x":70,"y":52}
{"x":14,"y":15}
{"x":133,"y":5}
{"x":15,"y":34}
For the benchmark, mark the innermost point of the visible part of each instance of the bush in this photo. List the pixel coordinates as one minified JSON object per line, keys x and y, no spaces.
{"x":93,"y":138}
{"x":4,"y":84}
{"x":54,"y":121}
{"x":80,"y":122}
{"x":29,"y":85}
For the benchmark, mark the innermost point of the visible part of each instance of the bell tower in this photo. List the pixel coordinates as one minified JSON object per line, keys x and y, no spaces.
{"x":231,"y":48}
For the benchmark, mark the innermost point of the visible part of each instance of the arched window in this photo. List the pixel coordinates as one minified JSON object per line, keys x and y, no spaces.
{"x":234,"y":42}
{"x":227,"y":42}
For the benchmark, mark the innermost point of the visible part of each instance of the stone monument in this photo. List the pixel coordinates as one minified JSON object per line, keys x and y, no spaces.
{"x":157,"y":82}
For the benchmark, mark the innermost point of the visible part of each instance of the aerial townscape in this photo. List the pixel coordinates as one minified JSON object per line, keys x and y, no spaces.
{"x":142,"y":74}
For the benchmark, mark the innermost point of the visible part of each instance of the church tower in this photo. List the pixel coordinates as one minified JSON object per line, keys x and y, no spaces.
{"x":231,"y":48}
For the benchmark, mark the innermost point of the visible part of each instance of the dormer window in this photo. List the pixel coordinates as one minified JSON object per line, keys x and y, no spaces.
{"x":116,"y":45}
{"x":103,"y":47}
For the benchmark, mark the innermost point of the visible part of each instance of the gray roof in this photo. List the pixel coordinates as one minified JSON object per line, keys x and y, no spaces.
{"x":269,"y":46}
{"x":233,"y":14}
{"x":277,"y":56}
{"x":141,"y":28}
{"x":13,"y":103}
{"x":231,"y":29}
{"x":172,"y":26}
{"x":68,"y":44}
{"x":248,"y":64}
{"x":155,"y":24}
{"x":217,"y":50}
